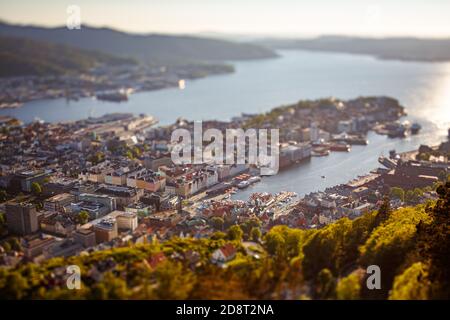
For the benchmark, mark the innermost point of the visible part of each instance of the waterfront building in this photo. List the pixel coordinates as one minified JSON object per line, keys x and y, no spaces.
{"x":127,"y":221}
{"x":21,"y":218}
{"x":105,"y":230}
{"x":109,"y":202}
{"x":27,"y":178}
{"x":58,"y":202}
{"x":34,"y":246}
{"x":86,"y":237}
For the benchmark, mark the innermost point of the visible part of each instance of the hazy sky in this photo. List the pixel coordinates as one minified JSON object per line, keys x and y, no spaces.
{"x":427,"y":18}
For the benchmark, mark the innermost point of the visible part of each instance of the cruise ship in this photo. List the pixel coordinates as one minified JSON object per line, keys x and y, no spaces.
{"x":243,"y":184}
{"x":116,"y":96}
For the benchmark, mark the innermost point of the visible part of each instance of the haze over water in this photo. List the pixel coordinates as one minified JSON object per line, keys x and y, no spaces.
{"x":259,"y":85}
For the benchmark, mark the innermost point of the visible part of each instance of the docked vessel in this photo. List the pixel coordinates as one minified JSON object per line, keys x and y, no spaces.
{"x":397,"y":129}
{"x":115,"y":96}
{"x":10,"y":105}
{"x":397,"y":133}
{"x":415,"y":128}
{"x":356,"y":139}
{"x":243,"y":184}
{"x":320,"y":152}
{"x":254,"y":179}
{"x":387,"y":162}
{"x":340,"y":147}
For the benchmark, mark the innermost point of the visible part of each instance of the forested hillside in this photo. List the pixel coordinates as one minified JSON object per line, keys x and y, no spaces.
{"x":25,"y":57}
{"x":410,"y":245}
{"x":149,"y":48}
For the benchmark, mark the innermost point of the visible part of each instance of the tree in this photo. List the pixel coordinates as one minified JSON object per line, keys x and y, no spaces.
{"x":235,"y":233}
{"x":249,"y":224}
{"x":398,"y":193}
{"x":13,"y":286}
{"x":410,"y":196}
{"x":83,"y":216}
{"x":136,"y":152}
{"x":255,"y":234}
{"x":174,"y":282}
{"x":129,"y":155}
{"x":443,"y":176}
{"x":384,"y":211}
{"x":6,"y":246}
{"x":217,"y":223}
{"x":433,"y":244}
{"x":3,"y":195}
{"x":418,"y":193}
{"x":15,"y":244}
{"x":97,"y":157}
{"x":423,"y":156}
{"x":111,"y":287}
{"x":389,"y":245}
{"x":412,"y":284}
{"x":326,"y":285}
{"x":349,"y":288}
{"x":36,"y":188}
{"x":275,"y":243}
{"x":218,"y":235}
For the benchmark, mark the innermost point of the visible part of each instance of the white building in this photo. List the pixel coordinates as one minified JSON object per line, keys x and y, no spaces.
{"x":314,"y":131}
{"x":127,"y":221}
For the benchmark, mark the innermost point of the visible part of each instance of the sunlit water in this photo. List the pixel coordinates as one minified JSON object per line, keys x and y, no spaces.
{"x":257,"y":86}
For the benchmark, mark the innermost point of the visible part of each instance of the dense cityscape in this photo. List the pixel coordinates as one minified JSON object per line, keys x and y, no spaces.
{"x":223,"y":156}
{"x":71,"y":189}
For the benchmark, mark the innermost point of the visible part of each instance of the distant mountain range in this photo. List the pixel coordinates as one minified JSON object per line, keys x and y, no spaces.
{"x":412,"y":49}
{"x":155,"y":49}
{"x":21,"y":57}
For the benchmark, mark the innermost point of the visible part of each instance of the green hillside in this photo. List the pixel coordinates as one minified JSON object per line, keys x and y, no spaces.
{"x":20,"y":57}
{"x":410,"y":245}
{"x":155,"y":49}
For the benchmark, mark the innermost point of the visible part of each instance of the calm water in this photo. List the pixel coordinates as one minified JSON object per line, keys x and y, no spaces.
{"x":257,"y":86}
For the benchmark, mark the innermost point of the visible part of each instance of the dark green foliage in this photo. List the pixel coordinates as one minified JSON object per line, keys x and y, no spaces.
{"x":235,"y":233}
{"x":3,"y":195}
{"x":433,"y":244}
{"x":36,"y":188}
{"x":326,"y":285}
{"x":410,"y":245}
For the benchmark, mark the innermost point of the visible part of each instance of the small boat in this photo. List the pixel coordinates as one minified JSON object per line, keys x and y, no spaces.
{"x":398,"y":130}
{"x":243,"y":184}
{"x":323,"y":177}
{"x":397,"y":133}
{"x":254,"y":179}
{"x":340,"y":147}
{"x":320,"y":152}
{"x":115,"y":96}
{"x":415,"y":128}
{"x":10,"y":105}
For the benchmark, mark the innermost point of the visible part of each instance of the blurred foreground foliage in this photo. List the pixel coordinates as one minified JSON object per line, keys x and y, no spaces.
{"x":410,"y":245}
